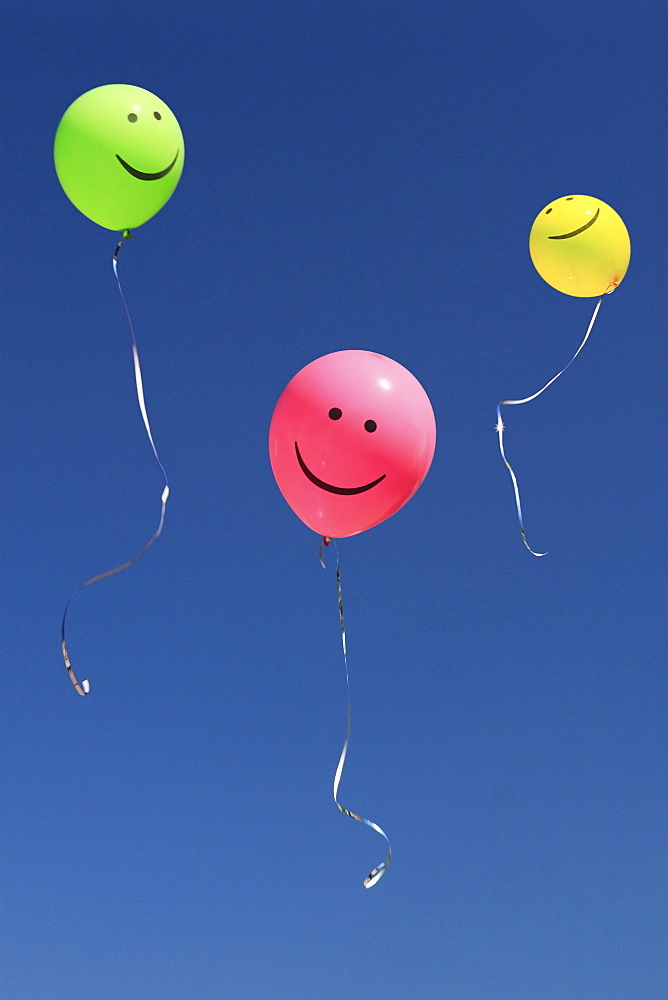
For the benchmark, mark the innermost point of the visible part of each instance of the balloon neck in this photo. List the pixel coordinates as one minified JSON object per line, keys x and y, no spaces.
{"x":127,"y":235}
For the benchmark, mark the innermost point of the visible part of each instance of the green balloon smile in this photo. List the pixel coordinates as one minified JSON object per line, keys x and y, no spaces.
{"x":140,"y":175}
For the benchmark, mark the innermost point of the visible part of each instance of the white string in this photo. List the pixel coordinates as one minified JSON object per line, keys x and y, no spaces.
{"x":500,"y":427}
{"x":377,"y":873}
{"x":84,"y":687}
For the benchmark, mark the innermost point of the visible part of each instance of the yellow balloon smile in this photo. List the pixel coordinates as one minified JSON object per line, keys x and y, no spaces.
{"x":140,"y":175}
{"x":576,"y":232}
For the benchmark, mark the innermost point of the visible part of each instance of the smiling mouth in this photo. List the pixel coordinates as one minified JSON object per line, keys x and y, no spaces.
{"x":576,"y":232}
{"x":140,"y":175}
{"x":345,"y":491}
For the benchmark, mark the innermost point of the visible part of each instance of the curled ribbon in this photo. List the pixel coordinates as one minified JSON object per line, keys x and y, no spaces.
{"x":377,"y":873}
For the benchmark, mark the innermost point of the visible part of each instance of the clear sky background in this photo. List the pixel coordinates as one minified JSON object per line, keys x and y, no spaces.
{"x":358,"y":175}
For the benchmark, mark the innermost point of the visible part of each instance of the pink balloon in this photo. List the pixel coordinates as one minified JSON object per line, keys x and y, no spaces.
{"x":351,"y":439}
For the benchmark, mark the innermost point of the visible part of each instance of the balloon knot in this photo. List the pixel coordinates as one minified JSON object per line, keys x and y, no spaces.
{"x":326,"y":540}
{"x":127,"y":235}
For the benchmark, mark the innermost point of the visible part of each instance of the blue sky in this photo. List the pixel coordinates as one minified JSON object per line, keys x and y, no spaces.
{"x":358,"y":175}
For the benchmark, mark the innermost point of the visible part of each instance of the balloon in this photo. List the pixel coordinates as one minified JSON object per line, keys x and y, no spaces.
{"x":580,"y":246}
{"x":119,"y":155}
{"x":351,"y":440}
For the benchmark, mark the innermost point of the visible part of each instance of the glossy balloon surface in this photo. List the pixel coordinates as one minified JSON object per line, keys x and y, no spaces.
{"x":119,"y":155}
{"x":351,"y":440}
{"x":580,"y":246}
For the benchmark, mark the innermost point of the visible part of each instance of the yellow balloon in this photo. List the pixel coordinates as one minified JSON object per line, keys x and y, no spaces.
{"x":580,"y":246}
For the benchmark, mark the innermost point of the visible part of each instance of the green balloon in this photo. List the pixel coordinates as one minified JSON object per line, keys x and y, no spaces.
{"x":119,"y":155}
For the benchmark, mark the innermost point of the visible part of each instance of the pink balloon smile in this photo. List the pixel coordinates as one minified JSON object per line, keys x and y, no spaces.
{"x":344,"y":491}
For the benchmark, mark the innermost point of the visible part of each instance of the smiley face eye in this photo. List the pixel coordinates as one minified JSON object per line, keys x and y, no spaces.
{"x":132,"y":117}
{"x":547,"y":211}
{"x":335,"y":413}
{"x":569,"y":199}
{"x":370,"y":426}
{"x":156,"y":114}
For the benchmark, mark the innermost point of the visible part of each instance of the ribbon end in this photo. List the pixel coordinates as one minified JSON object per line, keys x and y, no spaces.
{"x":524,"y":539}
{"x":374,"y":876}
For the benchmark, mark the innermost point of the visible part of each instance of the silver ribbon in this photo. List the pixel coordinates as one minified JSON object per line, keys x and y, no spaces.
{"x":500,"y":427}
{"x":84,"y":687}
{"x":377,"y":873}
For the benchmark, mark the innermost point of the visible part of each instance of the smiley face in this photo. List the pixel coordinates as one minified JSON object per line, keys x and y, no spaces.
{"x":343,"y":491}
{"x":119,"y":155}
{"x":580,"y":246}
{"x":351,"y":439}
